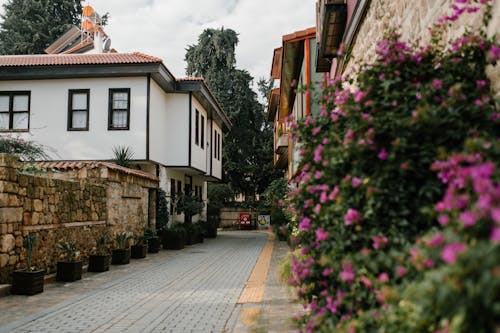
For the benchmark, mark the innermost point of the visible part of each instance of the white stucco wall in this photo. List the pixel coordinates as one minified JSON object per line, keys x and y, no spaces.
{"x":49,"y":117}
{"x":216,"y":164}
{"x":198,"y":154}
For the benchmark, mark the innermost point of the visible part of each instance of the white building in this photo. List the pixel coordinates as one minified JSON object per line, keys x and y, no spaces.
{"x":82,"y":106}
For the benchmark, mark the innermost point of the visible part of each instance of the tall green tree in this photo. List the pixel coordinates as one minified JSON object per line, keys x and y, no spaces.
{"x":29,"y":26}
{"x":247,"y":155}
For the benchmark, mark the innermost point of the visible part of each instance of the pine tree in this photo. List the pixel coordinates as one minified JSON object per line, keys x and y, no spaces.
{"x":247,"y":150}
{"x":29,"y":26}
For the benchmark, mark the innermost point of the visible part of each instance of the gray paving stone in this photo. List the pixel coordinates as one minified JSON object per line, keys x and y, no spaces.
{"x":194,"y":290}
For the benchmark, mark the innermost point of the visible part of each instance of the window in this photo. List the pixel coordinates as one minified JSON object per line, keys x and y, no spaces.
{"x":179,"y":186}
{"x":14,"y":110}
{"x":172,"y":195}
{"x":214,"y":144}
{"x":219,"y":140}
{"x":78,"y":110}
{"x":197,"y":128}
{"x":119,"y":109}
{"x":202,"y":132}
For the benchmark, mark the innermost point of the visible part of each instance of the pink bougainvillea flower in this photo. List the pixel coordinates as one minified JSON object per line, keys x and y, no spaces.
{"x":481,"y":83}
{"x":321,"y":235}
{"x":305,"y":224}
{"x":366,"y":281}
{"x":468,"y":218}
{"x":356,"y":182}
{"x":401,"y":271}
{"x":317,"y":208}
{"x":323,"y":197}
{"x":364,"y":252}
{"x":437,"y":84}
{"x":383,"y":277}
{"x":495,"y":215}
{"x":450,"y":251}
{"x":494,"y":53}
{"x":352,"y":216}
{"x":317,"y":153}
{"x":435,"y":241}
{"x":382,"y":155}
{"x":379,"y":242}
{"x":495,"y":235}
{"x":347,"y":273}
{"x":334,"y":193}
{"x":328,"y":271}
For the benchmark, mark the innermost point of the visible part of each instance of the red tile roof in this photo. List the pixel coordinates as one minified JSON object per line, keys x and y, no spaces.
{"x":300,"y":35}
{"x":77,"y":165}
{"x":76,"y":59}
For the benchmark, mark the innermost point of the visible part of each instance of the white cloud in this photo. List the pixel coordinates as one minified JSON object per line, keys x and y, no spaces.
{"x":164,"y":28}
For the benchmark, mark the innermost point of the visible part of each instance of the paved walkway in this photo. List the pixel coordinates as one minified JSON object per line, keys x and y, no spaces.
{"x":193,"y":290}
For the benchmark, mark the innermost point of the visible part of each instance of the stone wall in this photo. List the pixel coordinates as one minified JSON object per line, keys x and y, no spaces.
{"x":413,"y":18}
{"x":76,"y":205}
{"x":229,"y":216}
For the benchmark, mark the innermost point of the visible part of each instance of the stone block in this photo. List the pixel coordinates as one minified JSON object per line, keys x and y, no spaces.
{"x":23,"y":180}
{"x":8,"y":160}
{"x":27,"y":219}
{"x":19,"y":241}
{"x":13,"y":260}
{"x":11,"y":214}
{"x":37,"y":205}
{"x":7,"y":243}
{"x":4,"y":200}
{"x":8,"y":187}
{"x":35,"y":218}
{"x":4,"y":260}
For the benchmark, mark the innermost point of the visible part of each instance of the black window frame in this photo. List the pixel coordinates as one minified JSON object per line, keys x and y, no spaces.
{"x":197,"y":128}
{"x":219,"y":141}
{"x":172,"y":195}
{"x":110,"y":109}
{"x":71,"y":92}
{"x":11,"y":112}
{"x":202,"y":134}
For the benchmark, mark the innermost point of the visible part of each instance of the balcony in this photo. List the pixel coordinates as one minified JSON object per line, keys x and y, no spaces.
{"x":332,"y":19}
{"x":282,"y":144}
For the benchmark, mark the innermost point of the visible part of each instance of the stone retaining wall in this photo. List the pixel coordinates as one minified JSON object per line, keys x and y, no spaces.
{"x":73,"y":205}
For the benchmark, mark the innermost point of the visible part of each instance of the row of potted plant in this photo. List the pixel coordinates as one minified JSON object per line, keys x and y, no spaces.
{"x":29,"y":281}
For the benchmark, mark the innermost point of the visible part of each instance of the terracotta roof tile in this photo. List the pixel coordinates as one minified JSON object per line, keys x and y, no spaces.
{"x":76,"y":59}
{"x":77,"y":165}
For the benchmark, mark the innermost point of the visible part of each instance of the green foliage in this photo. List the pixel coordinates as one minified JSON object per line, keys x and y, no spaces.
{"x":123,"y":238}
{"x":218,"y":195}
{"x":30,"y":26}
{"x":189,"y":205}
{"x":367,"y":197}
{"x":139,"y":239}
{"x":101,"y":248}
{"x":29,"y":244}
{"x":25,"y":150}
{"x":247,"y":150}
{"x":149,"y":233}
{"x":70,"y":251}
{"x":162,"y":213}
{"x":123,"y":155}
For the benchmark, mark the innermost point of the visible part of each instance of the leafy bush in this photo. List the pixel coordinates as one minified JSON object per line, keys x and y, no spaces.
{"x":24,"y":149}
{"x":367,"y":191}
{"x":162,"y":213}
{"x":123,"y":155}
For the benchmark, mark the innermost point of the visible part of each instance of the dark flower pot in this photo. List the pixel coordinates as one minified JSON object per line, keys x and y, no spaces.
{"x":69,"y":271}
{"x":120,"y":256}
{"x":27,"y":282}
{"x":139,"y":251}
{"x":173,"y":240}
{"x":211,"y":232}
{"x":98,"y":263}
{"x":154,"y":244}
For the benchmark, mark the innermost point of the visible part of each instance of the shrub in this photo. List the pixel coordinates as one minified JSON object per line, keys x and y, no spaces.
{"x":367,"y":190}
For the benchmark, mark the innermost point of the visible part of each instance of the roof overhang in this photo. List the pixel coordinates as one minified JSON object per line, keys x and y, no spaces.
{"x":332,"y":19}
{"x":276,"y":67}
{"x":157,"y":70}
{"x":206,"y":98}
{"x":293,"y":55}
{"x":272,"y":107}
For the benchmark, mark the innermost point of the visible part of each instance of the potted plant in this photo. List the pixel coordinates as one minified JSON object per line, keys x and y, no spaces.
{"x":121,"y":255}
{"x":140,"y":247}
{"x":99,"y":262}
{"x":153,"y":240}
{"x":28,"y":281}
{"x":70,"y":269}
{"x":211,"y":227}
{"x":173,"y":238}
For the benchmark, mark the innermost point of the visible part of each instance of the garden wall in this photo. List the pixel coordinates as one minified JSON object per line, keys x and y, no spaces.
{"x":413,"y":19}
{"x":74,"y":202}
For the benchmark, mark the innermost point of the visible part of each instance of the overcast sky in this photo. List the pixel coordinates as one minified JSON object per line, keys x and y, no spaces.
{"x":164,"y":28}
